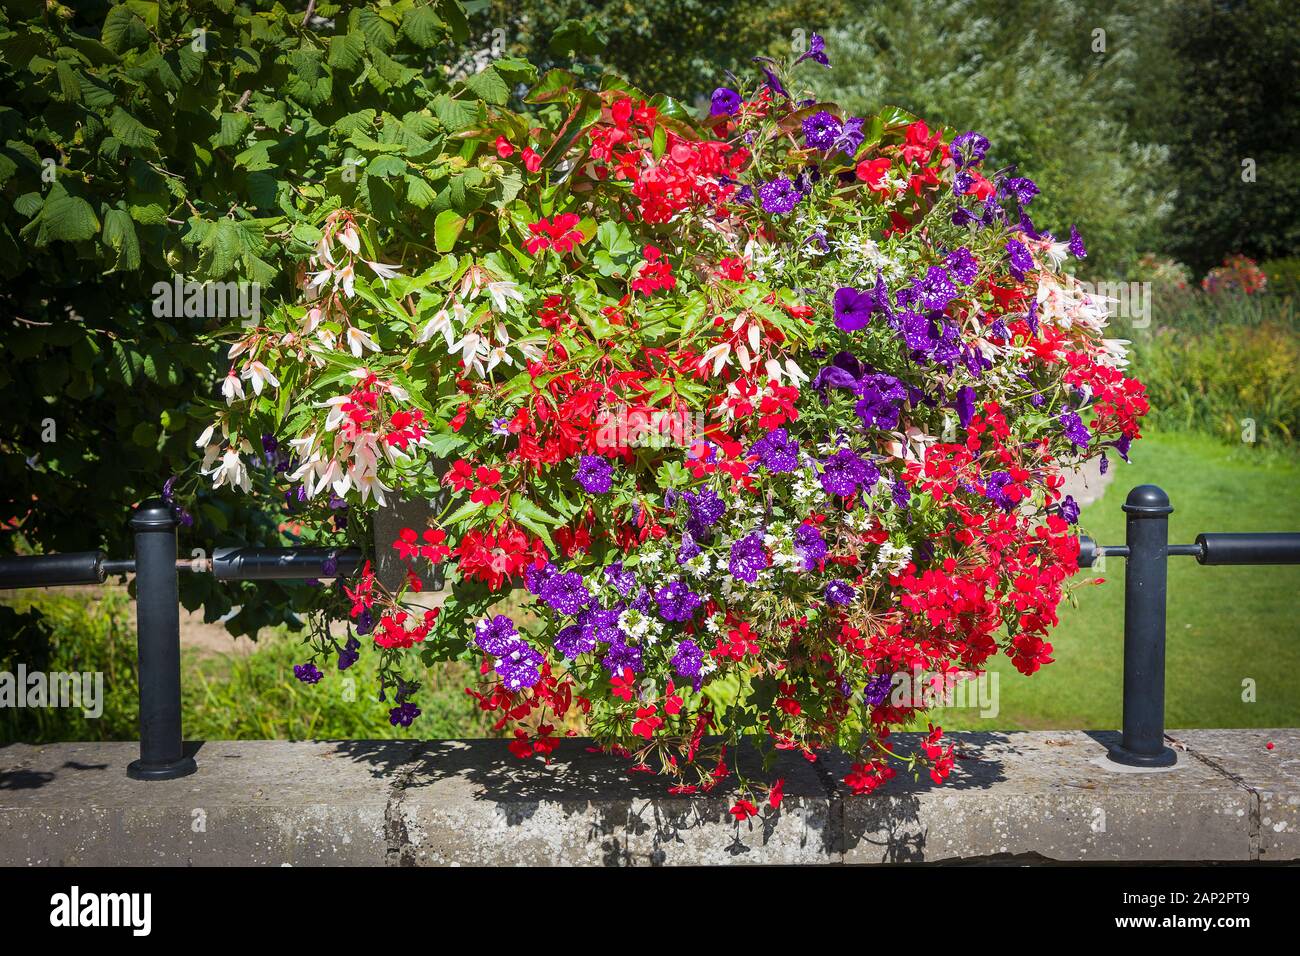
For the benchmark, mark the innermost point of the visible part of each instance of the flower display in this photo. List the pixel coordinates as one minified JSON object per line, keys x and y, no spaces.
{"x":752,"y":413}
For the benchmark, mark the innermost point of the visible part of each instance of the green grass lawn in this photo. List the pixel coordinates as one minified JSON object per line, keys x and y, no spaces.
{"x":1225,"y":625}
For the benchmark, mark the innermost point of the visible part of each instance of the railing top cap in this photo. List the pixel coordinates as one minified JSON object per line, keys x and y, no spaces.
{"x":1148,"y":501}
{"x":153,"y":515}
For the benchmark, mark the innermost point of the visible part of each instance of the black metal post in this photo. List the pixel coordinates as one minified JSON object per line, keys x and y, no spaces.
{"x":1145,"y":586}
{"x":158,"y":630}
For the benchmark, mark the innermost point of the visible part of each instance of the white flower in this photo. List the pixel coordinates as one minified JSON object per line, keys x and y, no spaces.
{"x":359,"y":340}
{"x":351,"y":241}
{"x":206,"y":438}
{"x":502,"y":293}
{"x":383,"y":270}
{"x":260,"y":376}
{"x":440,"y":324}
{"x":231,"y":471}
{"x":231,"y":388}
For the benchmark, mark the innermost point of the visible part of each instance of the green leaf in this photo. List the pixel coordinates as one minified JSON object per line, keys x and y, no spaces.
{"x":233,"y":128}
{"x":66,"y":217}
{"x":418,"y":192}
{"x":119,"y":236}
{"x":446,"y":229}
{"x":123,"y":30}
{"x":454,"y":114}
{"x":130,"y":130}
{"x":488,"y":86}
{"x":423,"y":27}
{"x":347,"y":50}
{"x":379,"y":32}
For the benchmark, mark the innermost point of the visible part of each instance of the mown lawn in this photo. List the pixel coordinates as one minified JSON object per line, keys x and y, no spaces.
{"x":1226,"y":626}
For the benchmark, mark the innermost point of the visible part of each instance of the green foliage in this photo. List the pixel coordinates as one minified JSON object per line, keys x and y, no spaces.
{"x":64,"y":632}
{"x":681,"y":48}
{"x":141,"y":141}
{"x":1226,"y":364}
{"x":1283,"y":275}
{"x":1239,"y":69}
{"x":1024,"y":76}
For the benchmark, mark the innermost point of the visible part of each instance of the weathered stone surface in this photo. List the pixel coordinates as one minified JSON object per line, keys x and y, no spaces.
{"x":1272,"y":777}
{"x":1050,"y":795}
{"x":1045,"y":795}
{"x":473,"y":802}
{"x":251,"y":803}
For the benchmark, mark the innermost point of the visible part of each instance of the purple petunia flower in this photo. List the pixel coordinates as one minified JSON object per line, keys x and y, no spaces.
{"x":852,"y":308}
{"x":677,"y":602}
{"x":779,"y":196}
{"x":567,"y":593}
{"x":748,"y":557}
{"x":852,"y":135}
{"x":1023,"y":189}
{"x":995,"y":490}
{"x":840,"y":592}
{"x":816,"y":51}
{"x":516,"y":662}
{"x":936,"y":290}
{"x":1020,"y":259}
{"x":724,"y":102}
{"x":688,"y":660}
{"x":572,"y":641}
{"x":535,"y":577}
{"x":1076,"y":246}
{"x":624,"y":581}
{"x":809,"y":545}
{"x":350,"y":654}
{"x":705,"y":506}
{"x":621,"y":656}
{"x":1069,"y":509}
{"x":777,"y":451}
{"x":899,"y":493}
{"x":595,"y":474}
{"x":844,"y":472}
{"x":878,"y":688}
{"x":880,"y":402}
{"x":964,"y":405}
{"x":969,"y":148}
{"x":962,"y":266}
{"x":1074,"y":429}
{"x":308,"y":673}
{"x":822,"y":130}
{"x":403,"y":714}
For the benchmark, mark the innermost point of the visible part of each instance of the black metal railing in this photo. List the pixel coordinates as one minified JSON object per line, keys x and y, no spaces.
{"x":158,"y":614}
{"x":156,"y":570}
{"x":1146,"y":550}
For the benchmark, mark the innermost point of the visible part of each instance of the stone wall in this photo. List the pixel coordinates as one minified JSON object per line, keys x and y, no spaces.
{"x":1041,"y":796}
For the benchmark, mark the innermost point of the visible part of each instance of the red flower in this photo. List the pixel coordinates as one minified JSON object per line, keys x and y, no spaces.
{"x":504,"y":149}
{"x":558,"y":234}
{"x":532,"y":160}
{"x":647,"y":722}
{"x":872,"y":172}
{"x":776,"y":794}
{"x":622,"y":684}
{"x":743,"y":810}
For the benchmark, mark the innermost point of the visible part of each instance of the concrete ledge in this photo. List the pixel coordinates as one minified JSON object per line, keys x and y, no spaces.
{"x":1037,"y":796}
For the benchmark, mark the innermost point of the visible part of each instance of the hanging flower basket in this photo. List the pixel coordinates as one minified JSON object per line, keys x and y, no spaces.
{"x":750,"y":415}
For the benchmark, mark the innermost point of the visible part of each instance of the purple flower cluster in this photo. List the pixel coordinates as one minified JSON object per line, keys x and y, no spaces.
{"x":995,"y":490}
{"x":777,"y":451}
{"x":1019,"y":258}
{"x":1074,"y":429}
{"x":969,"y":148}
{"x":748,"y":557}
{"x":724,"y":102}
{"x":688,"y":660}
{"x":822,"y":130}
{"x":403,"y":714}
{"x":308,"y":673}
{"x":844,"y":472}
{"x":624,"y":581}
{"x":705,"y":508}
{"x":878,"y":688}
{"x":516,"y":661}
{"x":677,"y":602}
{"x":935,"y":291}
{"x":962,"y":266}
{"x":567,"y":593}
{"x":621,"y":656}
{"x":779,"y":196}
{"x":350,"y":654}
{"x":840,"y":592}
{"x":595,"y":474}
{"x":809,"y":545}
{"x":881,"y":401}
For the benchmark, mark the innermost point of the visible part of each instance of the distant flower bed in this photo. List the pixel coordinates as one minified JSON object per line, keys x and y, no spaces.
{"x":758,"y":411}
